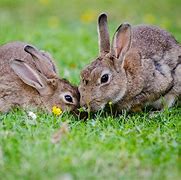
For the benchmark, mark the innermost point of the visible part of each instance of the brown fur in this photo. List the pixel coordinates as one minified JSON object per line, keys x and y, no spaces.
{"x":143,"y":65}
{"x":15,"y":92}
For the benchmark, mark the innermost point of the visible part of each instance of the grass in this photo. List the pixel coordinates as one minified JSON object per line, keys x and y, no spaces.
{"x":130,"y":146}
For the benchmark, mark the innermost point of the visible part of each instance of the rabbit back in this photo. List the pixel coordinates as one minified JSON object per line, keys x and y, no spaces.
{"x":156,"y":44}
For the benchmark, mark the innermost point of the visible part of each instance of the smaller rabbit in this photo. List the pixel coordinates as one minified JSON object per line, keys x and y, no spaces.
{"x":142,"y":66}
{"x":28,"y":77}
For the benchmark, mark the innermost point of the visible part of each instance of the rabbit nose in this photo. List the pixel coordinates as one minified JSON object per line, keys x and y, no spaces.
{"x":85,"y":101}
{"x":84,"y":106}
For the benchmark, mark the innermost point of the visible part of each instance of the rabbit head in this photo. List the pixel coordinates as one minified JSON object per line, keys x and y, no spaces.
{"x":105,"y":79}
{"x":43,"y":80}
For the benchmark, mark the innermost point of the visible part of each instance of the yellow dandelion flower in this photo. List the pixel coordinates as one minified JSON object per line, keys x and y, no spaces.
{"x":56,"y":110}
{"x":149,"y":18}
{"x":44,"y":2}
{"x":88,"y":16}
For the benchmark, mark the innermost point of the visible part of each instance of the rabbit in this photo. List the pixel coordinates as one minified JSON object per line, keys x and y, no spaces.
{"x":28,"y":78}
{"x":142,"y":66}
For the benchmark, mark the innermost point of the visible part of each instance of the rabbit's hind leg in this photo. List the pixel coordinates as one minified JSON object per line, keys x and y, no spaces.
{"x":169,"y":99}
{"x":177,"y":80}
{"x":165,"y":102}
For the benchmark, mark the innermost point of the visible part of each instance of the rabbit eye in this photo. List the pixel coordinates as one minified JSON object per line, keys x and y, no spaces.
{"x":104,"y":78}
{"x":68,"y":98}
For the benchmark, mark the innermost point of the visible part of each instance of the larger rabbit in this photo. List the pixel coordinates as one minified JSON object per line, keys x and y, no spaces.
{"x":28,"y":78}
{"x":142,"y":66}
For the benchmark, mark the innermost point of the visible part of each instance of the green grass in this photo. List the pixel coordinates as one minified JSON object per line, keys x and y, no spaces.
{"x":130,"y":146}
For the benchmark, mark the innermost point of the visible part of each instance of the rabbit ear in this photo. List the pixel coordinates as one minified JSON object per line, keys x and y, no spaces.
{"x":121,"y":40}
{"x":30,"y":76}
{"x":103,"y":34}
{"x":42,"y":62}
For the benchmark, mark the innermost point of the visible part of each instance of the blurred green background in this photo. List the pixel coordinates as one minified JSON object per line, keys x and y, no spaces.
{"x":137,"y":146}
{"x":68,"y":28}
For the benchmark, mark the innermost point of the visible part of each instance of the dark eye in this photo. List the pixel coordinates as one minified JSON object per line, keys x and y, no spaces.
{"x":105,"y":78}
{"x":68,"y":98}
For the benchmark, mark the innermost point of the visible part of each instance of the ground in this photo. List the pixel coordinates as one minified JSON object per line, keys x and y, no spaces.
{"x":130,"y":146}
